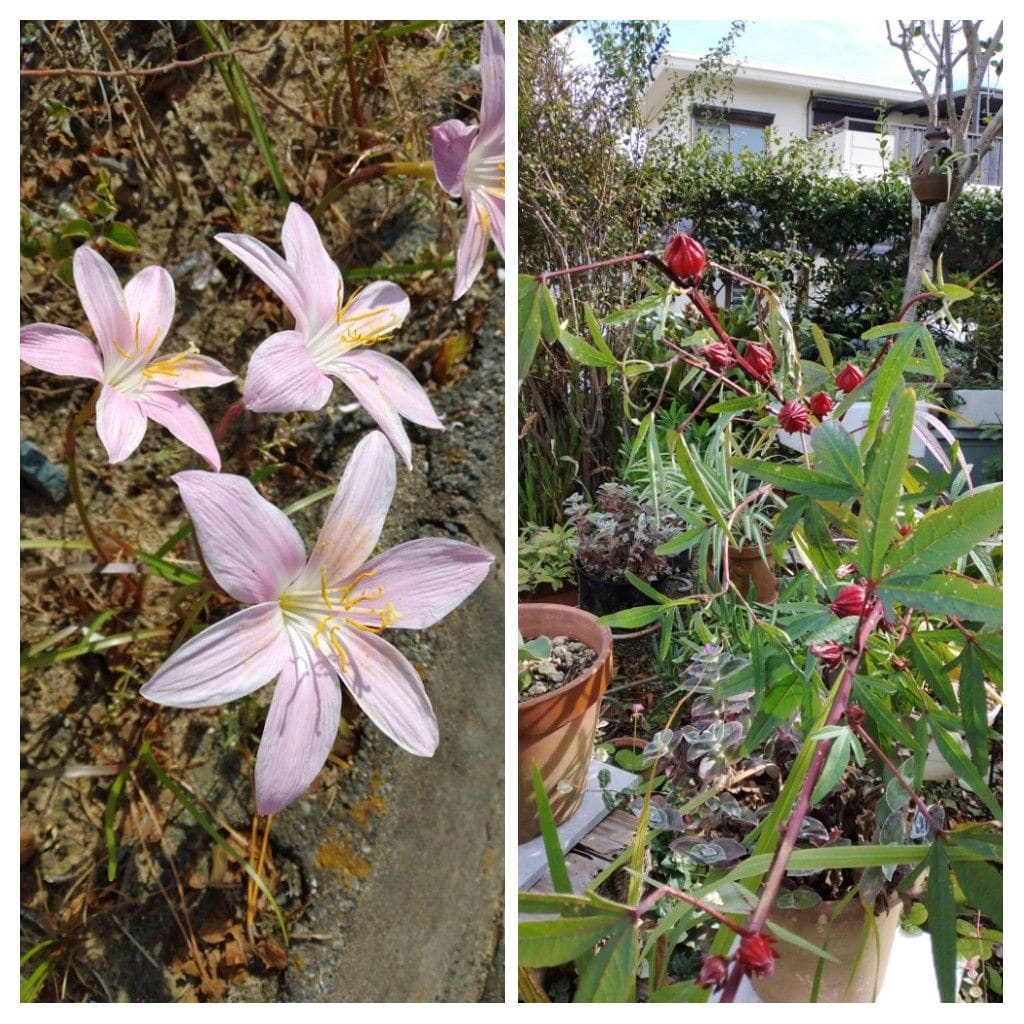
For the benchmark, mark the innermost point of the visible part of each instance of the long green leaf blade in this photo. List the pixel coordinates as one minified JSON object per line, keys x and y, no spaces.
{"x":876,"y":524}
{"x":811,"y":482}
{"x":946,"y":595}
{"x":942,"y":920}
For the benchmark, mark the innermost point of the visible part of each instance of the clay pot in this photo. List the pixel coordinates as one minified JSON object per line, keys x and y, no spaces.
{"x":745,"y":565}
{"x":556,"y":729}
{"x":793,"y":977}
{"x":543,"y":594}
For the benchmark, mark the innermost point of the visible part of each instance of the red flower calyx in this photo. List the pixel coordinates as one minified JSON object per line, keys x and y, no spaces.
{"x":849,"y":601}
{"x":759,"y":358}
{"x":756,"y":954}
{"x":718,"y":355}
{"x":712,"y":971}
{"x":849,"y":378}
{"x":820,"y":404}
{"x":829,"y":653}
{"x":685,"y":257}
{"x":855,"y":715}
{"x":794,"y":418}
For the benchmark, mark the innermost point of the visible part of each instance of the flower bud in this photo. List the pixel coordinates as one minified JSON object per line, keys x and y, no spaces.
{"x":820,"y":404}
{"x":760,"y":358}
{"x":905,"y":529}
{"x":685,"y":257}
{"x":829,"y":653}
{"x":718,"y":355}
{"x":712,"y":971}
{"x":849,"y":378}
{"x":855,"y":715}
{"x":849,"y":601}
{"x":756,"y":954}
{"x":793,"y":417}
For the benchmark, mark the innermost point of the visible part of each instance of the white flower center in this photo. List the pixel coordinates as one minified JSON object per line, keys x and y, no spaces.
{"x":349,"y":330}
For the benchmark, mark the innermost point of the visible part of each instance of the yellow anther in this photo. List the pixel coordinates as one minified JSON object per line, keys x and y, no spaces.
{"x":319,"y":629}
{"x":343,"y":592}
{"x":323,"y":586}
{"x":171,"y":366}
{"x":338,"y":649}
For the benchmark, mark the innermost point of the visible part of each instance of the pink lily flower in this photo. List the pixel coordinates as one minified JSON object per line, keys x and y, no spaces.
{"x":313,"y":620}
{"x":291,"y":370}
{"x":129,"y":325}
{"x":470,"y":162}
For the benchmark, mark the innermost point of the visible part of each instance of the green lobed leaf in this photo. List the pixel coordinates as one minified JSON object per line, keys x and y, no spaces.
{"x":876,"y":524}
{"x":529,"y":321}
{"x":942,"y":920}
{"x":610,"y":976}
{"x":946,"y":595}
{"x":560,"y":940}
{"x":943,"y":535}
{"x":814,"y":484}
{"x":886,"y":380}
{"x":887,"y":330}
{"x":974,"y":707}
{"x":982,"y":885}
{"x":836,"y":453}
{"x":950,"y":749}
{"x":835,"y":764}
{"x":583,"y":353}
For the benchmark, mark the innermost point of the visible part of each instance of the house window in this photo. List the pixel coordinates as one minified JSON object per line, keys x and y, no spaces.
{"x":733,"y":131}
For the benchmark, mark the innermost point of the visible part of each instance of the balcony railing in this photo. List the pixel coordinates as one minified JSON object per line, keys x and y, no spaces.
{"x":908,"y":141}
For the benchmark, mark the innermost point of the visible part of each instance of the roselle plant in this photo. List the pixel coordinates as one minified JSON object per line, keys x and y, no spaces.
{"x":887,"y":637}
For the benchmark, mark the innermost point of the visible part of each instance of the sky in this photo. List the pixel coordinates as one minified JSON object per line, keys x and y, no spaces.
{"x":857,"y":49}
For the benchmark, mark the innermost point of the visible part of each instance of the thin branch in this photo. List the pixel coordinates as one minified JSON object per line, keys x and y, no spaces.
{"x":175,"y":65}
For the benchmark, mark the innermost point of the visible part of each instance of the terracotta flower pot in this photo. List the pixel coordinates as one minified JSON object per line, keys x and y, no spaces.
{"x":745,"y":565}
{"x":854,"y":979}
{"x":556,"y":729}
{"x":543,"y":594}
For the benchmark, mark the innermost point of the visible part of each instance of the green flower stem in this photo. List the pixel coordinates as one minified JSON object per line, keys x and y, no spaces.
{"x":70,"y":450}
{"x":410,"y":169}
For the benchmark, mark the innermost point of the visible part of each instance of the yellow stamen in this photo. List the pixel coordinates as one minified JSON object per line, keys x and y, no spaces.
{"x":323,"y":586}
{"x":351,"y":335}
{"x":172,"y":365}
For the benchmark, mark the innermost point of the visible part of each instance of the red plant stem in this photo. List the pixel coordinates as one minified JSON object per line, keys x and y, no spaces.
{"x":666,"y":890}
{"x":968,"y":635}
{"x":705,"y":367}
{"x":740,"y":277}
{"x":905,"y":626}
{"x":777,"y":871}
{"x":865,"y":736}
{"x":702,"y":304}
{"x":230,"y":415}
{"x":636,"y":257}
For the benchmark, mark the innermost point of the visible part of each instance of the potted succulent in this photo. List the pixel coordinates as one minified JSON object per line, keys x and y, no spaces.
{"x":557,"y":727}
{"x":545,"y":564}
{"x":618,"y":534}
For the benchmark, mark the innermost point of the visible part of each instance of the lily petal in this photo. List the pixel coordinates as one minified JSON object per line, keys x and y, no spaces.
{"x":230,"y":659}
{"x":170,"y":410}
{"x":402,"y":388}
{"x":381,"y":306}
{"x":250,"y":546}
{"x":188,"y":370}
{"x":149,"y":296}
{"x":425,"y":579}
{"x":451,"y":142}
{"x":378,"y":406}
{"x":390,"y":692}
{"x":496,"y":209}
{"x":120,"y":423}
{"x":300,"y":730}
{"x":271,"y":270}
{"x":283,"y":378}
{"x":472,"y":246}
{"x":103,"y":301}
{"x":60,"y":350}
{"x":353,"y":523}
{"x":315,"y":272}
{"x":492,"y":78}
